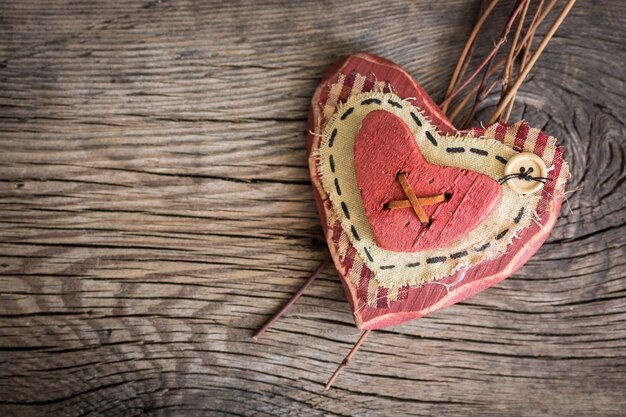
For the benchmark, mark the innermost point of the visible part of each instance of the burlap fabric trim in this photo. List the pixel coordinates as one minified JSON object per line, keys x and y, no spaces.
{"x":395,"y":269}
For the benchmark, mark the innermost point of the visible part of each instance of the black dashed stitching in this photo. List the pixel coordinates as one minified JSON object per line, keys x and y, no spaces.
{"x":479,"y":152}
{"x":431,"y":138}
{"x":337,"y":186}
{"x":345,"y":209}
{"x":370,"y":101}
{"x":435,"y":259}
{"x":502,"y":234}
{"x":518,"y":218}
{"x":458,"y":255}
{"x":482,"y":247}
{"x":332,"y":138}
{"x":354,"y":233}
{"x":347,"y":113}
{"x":455,"y":150}
{"x":416,"y":119}
{"x":394,"y":104}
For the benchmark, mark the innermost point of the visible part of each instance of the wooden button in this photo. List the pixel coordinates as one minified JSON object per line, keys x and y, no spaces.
{"x":522,"y":163}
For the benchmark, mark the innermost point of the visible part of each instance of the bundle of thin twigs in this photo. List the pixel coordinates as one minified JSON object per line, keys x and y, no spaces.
{"x":519,"y":59}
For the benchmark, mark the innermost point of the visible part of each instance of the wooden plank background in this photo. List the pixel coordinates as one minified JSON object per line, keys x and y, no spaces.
{"x":156,"y":208}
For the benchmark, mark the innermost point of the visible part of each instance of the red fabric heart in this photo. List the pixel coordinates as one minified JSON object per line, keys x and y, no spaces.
{"x":364,"y":72}
{"x":384,"y":147}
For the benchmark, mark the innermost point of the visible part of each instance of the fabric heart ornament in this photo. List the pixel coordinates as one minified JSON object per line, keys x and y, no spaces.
{"x":418,"y":215}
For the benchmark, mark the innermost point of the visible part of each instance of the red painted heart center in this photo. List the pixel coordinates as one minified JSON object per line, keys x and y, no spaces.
{"x":384,"y":148}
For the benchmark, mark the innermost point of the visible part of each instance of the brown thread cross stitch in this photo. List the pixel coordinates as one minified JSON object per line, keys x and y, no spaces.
{"x":424,"y":201}
{"x":413,"y":201}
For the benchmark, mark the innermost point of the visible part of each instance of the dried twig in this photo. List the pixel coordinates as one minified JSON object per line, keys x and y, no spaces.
{"x":522,"y":47}
{"x":461,"y":105}
{"x":482,"y":94}
{"x":521,"y":5}
{"x":346,"y":360}
{"x":487,"y":60}
{"x":532,"y":29}
{"x":465,"y":57}
{"x":533,"y":59}
{"x":508,"y":67}
{"x":293,"y":299}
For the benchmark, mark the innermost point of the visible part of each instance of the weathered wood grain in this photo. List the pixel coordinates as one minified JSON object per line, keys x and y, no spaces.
{"x":155,"y":208}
